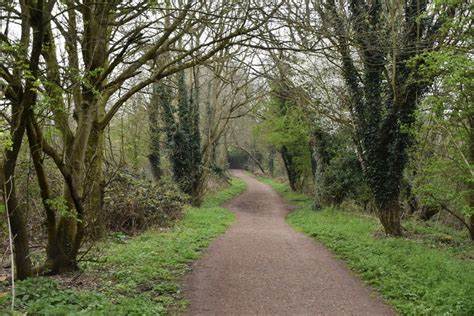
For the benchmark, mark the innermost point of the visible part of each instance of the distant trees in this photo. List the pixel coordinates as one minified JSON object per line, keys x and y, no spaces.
{"x":284,"y":126}
{"x":195,"y":109}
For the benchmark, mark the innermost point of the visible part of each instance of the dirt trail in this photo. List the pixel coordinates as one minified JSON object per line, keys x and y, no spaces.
{"x":261,"y":266}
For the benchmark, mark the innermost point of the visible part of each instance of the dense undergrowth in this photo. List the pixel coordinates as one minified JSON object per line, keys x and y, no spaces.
{"x":429,"y":272}
{"x":137,"y":276}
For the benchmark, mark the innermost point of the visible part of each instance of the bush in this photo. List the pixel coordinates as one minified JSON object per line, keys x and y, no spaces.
{"x":343,"y":179}
{"x":133,"y":204}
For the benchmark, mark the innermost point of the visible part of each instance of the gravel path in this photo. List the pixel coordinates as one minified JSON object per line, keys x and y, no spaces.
{"x":261,"y":266}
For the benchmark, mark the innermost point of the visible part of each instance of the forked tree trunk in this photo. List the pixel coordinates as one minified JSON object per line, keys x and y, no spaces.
{"x":70,"y":229}
{"x":36,"y":155}
{"x":65,"y":230}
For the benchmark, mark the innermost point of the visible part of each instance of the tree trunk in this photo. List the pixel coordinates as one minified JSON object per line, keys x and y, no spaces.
{"x":94,"y":190}
{"x":319,"y":162}
{"x":471,"y":225}
{"x":389,"y":215}
{"x":154,"y":157}
{"x":271,"y":162}
{"x":66,"y":236}
{"x":70,"y":230}
{"x":36,"y":155}
{"x":409,"y":197}
{"x":16,"y":213}
{"x":23,"y":98}
{"x":184,"y":140}
{"x":196,"y":161}
{"x":64,"y":239}
{"x":317,"y":205}
{"x":291,"y":170}
{"x":471,"y":183}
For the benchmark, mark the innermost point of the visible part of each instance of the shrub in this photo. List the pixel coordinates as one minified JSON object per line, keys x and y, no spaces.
{"x":133,"y":204}
{"x":342,"y":178}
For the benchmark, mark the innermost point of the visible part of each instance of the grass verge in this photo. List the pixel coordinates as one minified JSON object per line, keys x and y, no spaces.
{"x":138,"y":276}
{"x":431,"y":272}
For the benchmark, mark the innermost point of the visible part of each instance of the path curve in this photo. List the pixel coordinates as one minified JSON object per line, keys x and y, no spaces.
{"x":261,"y":266}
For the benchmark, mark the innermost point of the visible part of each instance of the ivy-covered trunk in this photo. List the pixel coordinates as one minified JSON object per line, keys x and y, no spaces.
{"x":383,"y":90}
{"x":291,"y":169}
{"x":184,"y":139}
{"x":319,"y":161}
{"x":390,"y":216}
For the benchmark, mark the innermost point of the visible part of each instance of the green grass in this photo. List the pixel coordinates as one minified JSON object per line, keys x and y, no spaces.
{"x":141,"y":275}
{"x":420,"y":275}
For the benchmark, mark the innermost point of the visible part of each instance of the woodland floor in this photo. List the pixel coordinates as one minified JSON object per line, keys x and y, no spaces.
{"x":262,"y":266}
